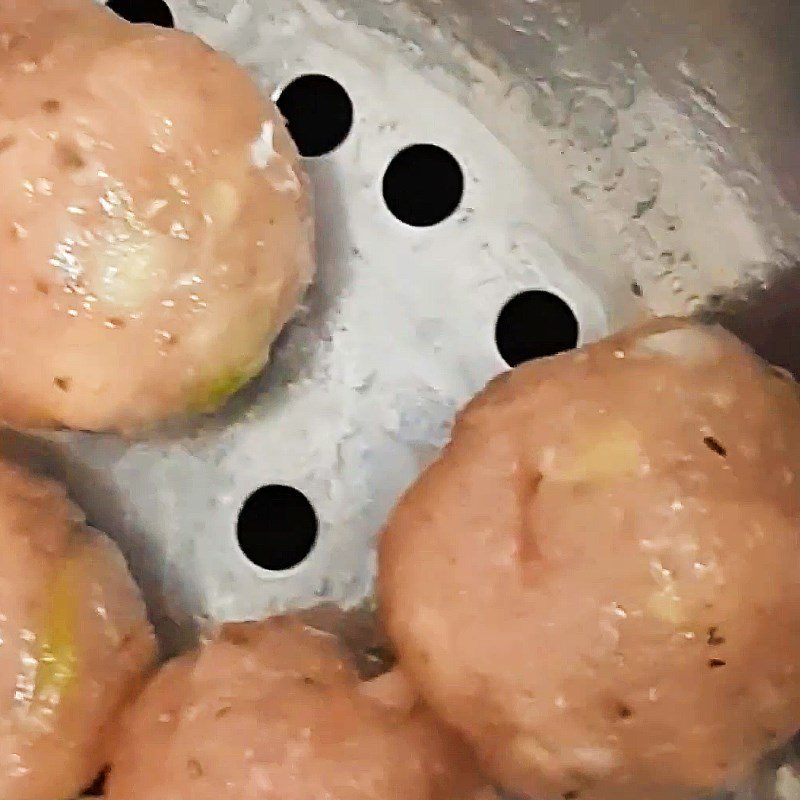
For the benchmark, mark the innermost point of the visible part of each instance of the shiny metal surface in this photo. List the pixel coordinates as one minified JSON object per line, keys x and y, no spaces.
{"x":733,"y":68}
{"x":730,"y":61}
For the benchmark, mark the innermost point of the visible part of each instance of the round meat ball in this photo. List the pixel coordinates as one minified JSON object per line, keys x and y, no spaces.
{"x":156,"y":223}
{"x":273,"y":711}
{"x":75,"y":643}
{"x":597,"y":583}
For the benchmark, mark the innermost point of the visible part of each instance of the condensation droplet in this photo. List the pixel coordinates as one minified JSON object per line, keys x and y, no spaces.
{"x":593,"y":122}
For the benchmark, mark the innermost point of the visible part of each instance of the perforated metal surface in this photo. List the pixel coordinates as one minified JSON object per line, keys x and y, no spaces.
{"x":585,"y":183}
{"x":580,"y":179}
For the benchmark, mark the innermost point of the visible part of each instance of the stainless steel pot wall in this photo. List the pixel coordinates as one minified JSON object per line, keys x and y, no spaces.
{"x":737,"y":61}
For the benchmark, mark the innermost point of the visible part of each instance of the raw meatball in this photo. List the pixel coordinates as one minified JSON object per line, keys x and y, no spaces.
{"x":156,"y":227}
{"x":598,"y":582}
{"x":74,"y":641}
{"x":271,"y":711}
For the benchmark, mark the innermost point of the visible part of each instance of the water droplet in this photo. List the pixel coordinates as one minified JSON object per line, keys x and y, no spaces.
{"x":593,"y":122}
{"x":622,"y":88}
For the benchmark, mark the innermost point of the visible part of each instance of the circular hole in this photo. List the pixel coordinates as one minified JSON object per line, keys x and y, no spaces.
{"x":423,"y":185}
{"x":156,"y":12}
{"x":318,"y":112}
{"x":535,"y":324}
{"x":277,"y":527}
